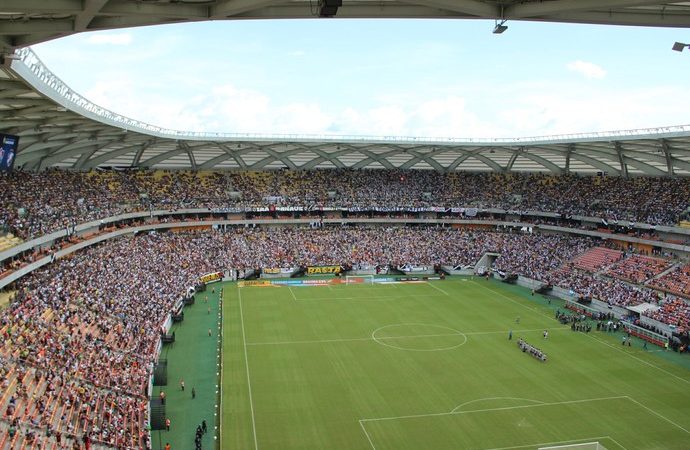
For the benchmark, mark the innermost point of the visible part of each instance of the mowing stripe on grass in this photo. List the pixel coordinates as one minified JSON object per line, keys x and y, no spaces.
{"x":367,"y":435}
{"x":513,"y":300}
{"x":246,"y":360}
{"x":640,"y":359}
{"x":437,"y":288}
{"x":657,"y":414}
{"x":593,"y":337}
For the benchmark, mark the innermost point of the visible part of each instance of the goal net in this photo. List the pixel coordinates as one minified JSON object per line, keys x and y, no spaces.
{"x":359,"y":279}
{"x":582,"y":446}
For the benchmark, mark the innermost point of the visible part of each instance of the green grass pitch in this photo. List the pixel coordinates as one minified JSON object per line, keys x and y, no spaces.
{"x":430,"y":366}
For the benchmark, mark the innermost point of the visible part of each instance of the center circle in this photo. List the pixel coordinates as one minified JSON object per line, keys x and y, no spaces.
{"x":419,"y":337}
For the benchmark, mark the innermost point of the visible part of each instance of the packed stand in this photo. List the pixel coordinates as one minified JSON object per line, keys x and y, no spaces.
{"x":674,"y":312}
{"x":608,"y":290}
{"x":81,"y":336}
{"x":597,"y":258}
{"x":638,"y":269}
{"x":676,"y":282}
{"x":36,"y":203}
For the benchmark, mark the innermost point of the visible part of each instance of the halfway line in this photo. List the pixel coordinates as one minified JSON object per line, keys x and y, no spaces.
{"x":325,"y":341}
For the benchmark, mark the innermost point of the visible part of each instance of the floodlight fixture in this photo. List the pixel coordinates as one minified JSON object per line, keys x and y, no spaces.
{"x":500,"y":27}
{"x":679,"y":46}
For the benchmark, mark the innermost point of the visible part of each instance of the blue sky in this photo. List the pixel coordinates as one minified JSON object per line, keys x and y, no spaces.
{"x":432,"y":78}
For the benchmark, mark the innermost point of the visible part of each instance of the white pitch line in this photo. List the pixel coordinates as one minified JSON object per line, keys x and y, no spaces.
{"x":657,"y":414}
{"x":514,"y":301}
{"x":544,"y":444}
{"x":325,"y":341}
{"x":616,"y":442}
{"x":591,"y":336}
{"x":367,"y":435}
{"x":387,"y":297}
{"x":320,"y":341}
{"x":417,"y":416}
{"x":293,"y":294}
{"x":438,"y":288}
{"x":246,"y":360}
{"x":639,"y":359}
{"x":493,"y":398}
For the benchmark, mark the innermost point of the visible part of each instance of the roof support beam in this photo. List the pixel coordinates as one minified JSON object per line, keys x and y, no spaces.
{"x":42,"y":6}
{"x":105,"y":157}
{"x":621,"y":159}
{"x":569,"y":151}
{"x":646,"y":19}
{"x":540,"y":9}
{"x":323,"y":156}
{"x":426,"y":157}
{"x":669,"y":159}
{"x":511,"y":161}
{"x":162,"y":157}
{"x":544,"y":162}
{"x":459,"y":160}
{"x":230,"y":8}
{"x":35,"y":26}
{"x":466,"y":7}
{"x":647,"y":169}
{"x":576,"y":154}
{"x":84,"y":18}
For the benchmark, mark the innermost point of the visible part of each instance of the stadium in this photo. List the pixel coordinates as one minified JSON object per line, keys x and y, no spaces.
{"x":170,"y":289}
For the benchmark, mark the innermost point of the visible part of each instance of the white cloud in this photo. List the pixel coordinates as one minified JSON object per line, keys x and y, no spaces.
{"x":110,"y":39}
{"x":587,"y":69}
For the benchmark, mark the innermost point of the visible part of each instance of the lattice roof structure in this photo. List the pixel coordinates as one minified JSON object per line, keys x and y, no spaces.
{"x":60,"y":128}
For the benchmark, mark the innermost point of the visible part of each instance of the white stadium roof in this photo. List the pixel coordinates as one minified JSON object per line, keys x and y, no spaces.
{"x":58,"y":127}
{"x":26,"y":22}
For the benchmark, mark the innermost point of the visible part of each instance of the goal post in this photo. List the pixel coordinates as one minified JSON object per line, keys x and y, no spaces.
{"x":580,"y":446}
{"x":359,"y":279}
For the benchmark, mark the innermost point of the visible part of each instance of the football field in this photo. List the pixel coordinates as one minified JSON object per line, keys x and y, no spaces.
{"x":430,"y":366}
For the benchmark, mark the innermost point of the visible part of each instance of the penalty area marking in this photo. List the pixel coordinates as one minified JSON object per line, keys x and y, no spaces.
{"x":362,"y":422}
{"x":506,"y":408}
{"x":536,"y":405}
{"x":494,"y":398}
{"x":454,"y":332}
{"x":561,"y":443}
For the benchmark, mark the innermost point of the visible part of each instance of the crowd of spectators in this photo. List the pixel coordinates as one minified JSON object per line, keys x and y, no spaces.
{"x":674,"y":312}
{"x":676,"y":282}
{"x":638,"y":269}
{"x":35,"y":203}
{"x":609,"y":290}
{"x":81,"y":336}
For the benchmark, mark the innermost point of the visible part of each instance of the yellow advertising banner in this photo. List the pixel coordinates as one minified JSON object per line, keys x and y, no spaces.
{"x":323,"y":270}
{"x":211,"y":277}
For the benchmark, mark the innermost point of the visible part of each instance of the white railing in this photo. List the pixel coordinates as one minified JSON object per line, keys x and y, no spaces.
{"x":26,"y":62}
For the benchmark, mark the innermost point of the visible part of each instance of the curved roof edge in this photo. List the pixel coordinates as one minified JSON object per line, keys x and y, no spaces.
{"x":60,"y":128}
{"x":29,"y":66}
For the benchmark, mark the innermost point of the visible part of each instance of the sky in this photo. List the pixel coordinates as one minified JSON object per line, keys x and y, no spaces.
{"x":384,"y":77}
